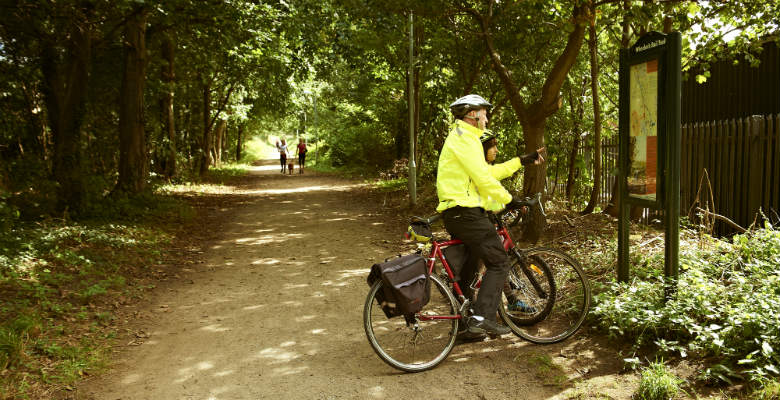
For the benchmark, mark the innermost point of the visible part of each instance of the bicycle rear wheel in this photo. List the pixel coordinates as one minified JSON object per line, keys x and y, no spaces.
{"x":571,"y":301}
{"x":421,"y":344}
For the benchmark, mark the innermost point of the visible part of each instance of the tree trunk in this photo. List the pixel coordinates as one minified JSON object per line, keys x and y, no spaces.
{"x":534,"y":175}
{"x":570,"y":178}
{"x":594,"y":88}
{"x":577,"y":111}
{"x":208,"y":123}
{"x":205,"y":160}
{"x":238,"y":142}
{"x":35,"y":138}
{"x":65,"y":81}
{"x":613,"y":207}
{"x":218,"y":141}
{"x":169,"y":125}
{"x":534,"y":115}
{"x":133,"y":165}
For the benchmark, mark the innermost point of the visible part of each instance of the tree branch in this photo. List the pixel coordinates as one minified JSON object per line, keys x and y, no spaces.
{"x":513,"y":92}
{"x":549,"y":101}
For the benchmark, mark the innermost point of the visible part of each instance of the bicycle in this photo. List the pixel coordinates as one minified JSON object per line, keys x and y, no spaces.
{"x":550,"y":285}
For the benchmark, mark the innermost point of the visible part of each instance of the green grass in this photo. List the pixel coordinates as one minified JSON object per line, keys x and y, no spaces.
{"x":59,"y":279}
{"x":770,"y":390}
{"x":391,"y":185}
{"x":226,"y":172}
{"x":544,"y":368}
{"x":658,"y":383}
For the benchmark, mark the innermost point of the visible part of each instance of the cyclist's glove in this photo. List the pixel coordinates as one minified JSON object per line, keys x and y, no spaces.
{"x":529,"y":158}
{"x":516,"y":203}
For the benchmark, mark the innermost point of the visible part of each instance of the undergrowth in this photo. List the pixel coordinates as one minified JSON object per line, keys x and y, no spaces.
{"x":725,"y":311}
{"x":658,"y":383}
{"x":62,"y":282}
{"x":55,"y":279}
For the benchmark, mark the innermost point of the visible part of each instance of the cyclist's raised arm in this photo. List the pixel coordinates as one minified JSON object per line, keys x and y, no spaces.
{"x":505,"y":169}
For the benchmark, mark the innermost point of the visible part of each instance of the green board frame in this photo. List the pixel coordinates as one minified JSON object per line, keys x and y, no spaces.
{"x":649,"y":156}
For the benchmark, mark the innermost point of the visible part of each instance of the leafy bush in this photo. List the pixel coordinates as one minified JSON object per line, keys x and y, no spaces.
{"x":658,"y":383}
{"x":8,"y":213}
{"x":769,"y":391}
{"x":727,"y":305}
{"x":56,"y":276}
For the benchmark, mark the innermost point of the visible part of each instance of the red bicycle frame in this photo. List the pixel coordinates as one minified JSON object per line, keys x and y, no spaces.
{"x":436,"y":252}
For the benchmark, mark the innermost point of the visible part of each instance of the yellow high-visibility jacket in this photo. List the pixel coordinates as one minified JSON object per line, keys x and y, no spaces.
{"x":464,"y":177}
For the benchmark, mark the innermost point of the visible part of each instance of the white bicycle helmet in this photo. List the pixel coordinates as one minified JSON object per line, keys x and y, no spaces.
{"x":469,"y":102}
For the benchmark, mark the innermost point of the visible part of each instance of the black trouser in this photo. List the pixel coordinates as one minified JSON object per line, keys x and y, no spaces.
{"x":473,"y":227}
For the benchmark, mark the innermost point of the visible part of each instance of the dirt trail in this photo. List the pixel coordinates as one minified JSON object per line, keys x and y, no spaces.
{"x":275,"y":312}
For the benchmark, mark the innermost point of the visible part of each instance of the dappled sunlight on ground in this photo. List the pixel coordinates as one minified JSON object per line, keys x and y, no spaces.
{"x":362,"y":273}
{"x":266,"y":239}
{"x":215,"y":328}
{"x":305,"y":189}
{"x":267,"y":261}
{"x":277,"y":355}
{"x":275,"y":311}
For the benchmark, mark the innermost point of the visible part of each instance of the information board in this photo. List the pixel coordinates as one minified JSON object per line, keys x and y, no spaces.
{"x":643,"y":169}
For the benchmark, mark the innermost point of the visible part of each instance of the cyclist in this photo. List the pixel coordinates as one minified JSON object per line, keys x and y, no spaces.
{"x":466,"y":186}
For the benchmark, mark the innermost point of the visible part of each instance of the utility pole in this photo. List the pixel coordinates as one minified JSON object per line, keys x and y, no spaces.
{"x":412,"y":165}
{"x":317,"y":133}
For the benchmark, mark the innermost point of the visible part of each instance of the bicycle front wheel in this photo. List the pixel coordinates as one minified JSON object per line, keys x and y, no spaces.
{"x":421,"y":343}
{"x":571,"y":300}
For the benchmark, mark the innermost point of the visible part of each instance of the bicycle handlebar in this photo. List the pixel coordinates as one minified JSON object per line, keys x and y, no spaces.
{"x":529,"y":202}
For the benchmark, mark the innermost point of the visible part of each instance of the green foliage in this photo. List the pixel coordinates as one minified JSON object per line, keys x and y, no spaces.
{"x":658,"y":383}
{"x":769,"y":390}
{"x":54,"y":272}
{"x":256,"y":149}
{"x":227,"y":172}
{"x":11,"y":348}
{"x":8,"y":213}
{"x":544,"y":368}
{"x":391,"y":185}
{"x":128,"y":208}
{"x":727,"y":305}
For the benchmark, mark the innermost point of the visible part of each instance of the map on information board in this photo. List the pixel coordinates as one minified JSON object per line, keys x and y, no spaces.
{"x":643,"y":130}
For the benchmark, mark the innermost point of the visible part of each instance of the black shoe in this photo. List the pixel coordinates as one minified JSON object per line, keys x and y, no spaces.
{"x":486,"y":326}
{"x":465,"y":336}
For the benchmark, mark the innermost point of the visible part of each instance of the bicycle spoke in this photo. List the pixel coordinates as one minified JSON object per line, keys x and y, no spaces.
{"x":570,"y":303}
{"x":420,"y":346}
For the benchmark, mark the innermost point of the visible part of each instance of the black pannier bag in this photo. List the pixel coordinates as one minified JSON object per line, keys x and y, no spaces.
{"x":456,"y":257}
{"x":405,"y":288}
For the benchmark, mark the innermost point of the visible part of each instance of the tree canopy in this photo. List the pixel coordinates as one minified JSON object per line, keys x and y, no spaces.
{"x":101,"y":98}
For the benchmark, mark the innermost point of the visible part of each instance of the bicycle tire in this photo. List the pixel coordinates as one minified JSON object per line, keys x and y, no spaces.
{"x":418,"y":347}
{"x":531,"y":282}
{"x":571,"y":305}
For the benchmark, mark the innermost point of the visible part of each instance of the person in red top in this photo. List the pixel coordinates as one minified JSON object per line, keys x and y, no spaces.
{"x":301,"y":155}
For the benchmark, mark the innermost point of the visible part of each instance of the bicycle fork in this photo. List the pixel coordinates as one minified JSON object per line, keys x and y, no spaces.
{"x":528,"y":271}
